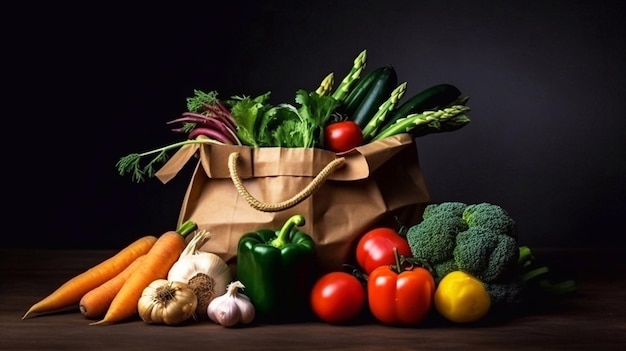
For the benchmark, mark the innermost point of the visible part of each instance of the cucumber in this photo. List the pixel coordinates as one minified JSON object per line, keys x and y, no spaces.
{"x":437,"y":96}
{"x":386,"y":81}
{"x":360,"y":90}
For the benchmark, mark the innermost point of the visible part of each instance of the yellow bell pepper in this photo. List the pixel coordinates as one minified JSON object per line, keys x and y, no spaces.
{"x":461,"y":298}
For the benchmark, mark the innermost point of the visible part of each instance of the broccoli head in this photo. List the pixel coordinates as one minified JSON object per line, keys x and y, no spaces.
{"x":478,"y":239}
{"x":485,"y":254}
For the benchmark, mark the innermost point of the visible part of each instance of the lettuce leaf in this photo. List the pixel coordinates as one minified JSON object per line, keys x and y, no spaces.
{"x":259,"y":124}
{"x":248,"y":113}
{"x":315,"y":112}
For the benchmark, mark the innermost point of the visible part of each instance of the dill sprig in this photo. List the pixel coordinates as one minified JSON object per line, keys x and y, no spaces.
{"x":132,"y":163}
{"x":200,"y":100}
{"x":198,"y":103}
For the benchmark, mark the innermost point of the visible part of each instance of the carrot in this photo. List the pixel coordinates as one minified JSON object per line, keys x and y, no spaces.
{"x":70,"y":293}
{"x":95,"y":303}
{"x":155,"y":265}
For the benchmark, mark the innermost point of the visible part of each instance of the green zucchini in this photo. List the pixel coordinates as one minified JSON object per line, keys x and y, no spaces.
{"x":437,"y":96}
{"x":386,"y":81}
{"x":360,"y":90}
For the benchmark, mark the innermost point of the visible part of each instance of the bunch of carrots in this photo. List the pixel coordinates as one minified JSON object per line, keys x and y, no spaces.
{"x":111,"y":289}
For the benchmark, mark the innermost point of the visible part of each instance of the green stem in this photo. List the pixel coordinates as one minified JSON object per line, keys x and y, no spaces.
{"x":396,"y":255}
{"x":130,"y":163}
{"x":281,"y":239}
{"x":560,"y":288}
{"x":186,"y":228}
{"x":357,"y":273}
{"x":535,"y":273}
{"x":177,"y":145}
{"x":524,"y":254}
{"x":525,"y":257}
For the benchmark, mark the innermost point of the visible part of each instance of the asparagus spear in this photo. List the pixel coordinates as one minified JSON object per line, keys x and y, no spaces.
{"x":326,"y":86}
{"x":418,"y":124}
{"x":385,"y":108}
{"x":452,"y":124}
{"x":355,"y":73}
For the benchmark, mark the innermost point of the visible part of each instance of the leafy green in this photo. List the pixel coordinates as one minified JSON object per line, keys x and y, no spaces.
{"x":316,"y":111}
{"x":248,"y":113}
{"x":200,"y":99}
{"x":281,"y":126}
{"x":260,"y":124}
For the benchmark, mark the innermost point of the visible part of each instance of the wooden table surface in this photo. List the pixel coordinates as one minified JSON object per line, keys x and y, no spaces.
{"x":593,"y":320}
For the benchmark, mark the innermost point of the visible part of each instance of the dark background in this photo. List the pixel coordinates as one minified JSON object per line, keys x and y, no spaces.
{"x":87,"y":84}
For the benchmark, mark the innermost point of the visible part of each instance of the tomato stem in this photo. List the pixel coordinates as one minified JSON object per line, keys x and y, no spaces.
{"x":401,"y":229}
{"x":357,"y":273}
{"x":397,"y":257}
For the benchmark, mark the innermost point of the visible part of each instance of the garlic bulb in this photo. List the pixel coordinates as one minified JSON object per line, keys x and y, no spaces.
{"x":166,"y":302}
{"x":205,"y":273}
{"x":232,"y":308}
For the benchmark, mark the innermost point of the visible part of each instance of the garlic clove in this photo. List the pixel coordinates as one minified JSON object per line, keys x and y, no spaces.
{"x":227,"y":313}
{"x":246,"y":309}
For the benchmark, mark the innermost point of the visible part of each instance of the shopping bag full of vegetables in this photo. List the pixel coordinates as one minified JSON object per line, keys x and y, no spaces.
{"x":343,"y":157}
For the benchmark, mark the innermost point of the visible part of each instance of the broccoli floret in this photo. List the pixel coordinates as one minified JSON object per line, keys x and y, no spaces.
{"x":429,"y":243}
{"x":490,"y":216}
{"x":454,"y":209}
{"x":509,"y":292}
{"x":433,"y":241}
{"x":485,"y":254}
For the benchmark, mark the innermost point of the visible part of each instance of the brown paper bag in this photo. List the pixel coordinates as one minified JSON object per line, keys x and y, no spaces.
{"x":238,"y":189}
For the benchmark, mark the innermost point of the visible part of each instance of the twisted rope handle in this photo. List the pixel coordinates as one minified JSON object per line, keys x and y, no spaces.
{"x":296,"y":199}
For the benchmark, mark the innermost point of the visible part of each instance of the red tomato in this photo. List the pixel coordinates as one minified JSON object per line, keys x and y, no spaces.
{"x":375,"y":248}
{"x":342,"y":136}
{"x":403,"y":298}
{"x":337,"y":297}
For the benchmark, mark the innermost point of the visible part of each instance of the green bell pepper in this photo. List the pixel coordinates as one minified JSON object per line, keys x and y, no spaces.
{"x":276,"y":269}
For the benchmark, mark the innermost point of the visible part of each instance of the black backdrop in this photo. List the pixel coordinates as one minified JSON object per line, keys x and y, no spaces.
{"x":85,"y":85}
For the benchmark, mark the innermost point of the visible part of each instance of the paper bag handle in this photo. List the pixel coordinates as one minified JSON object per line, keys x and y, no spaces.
{"x":296,"y":199}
